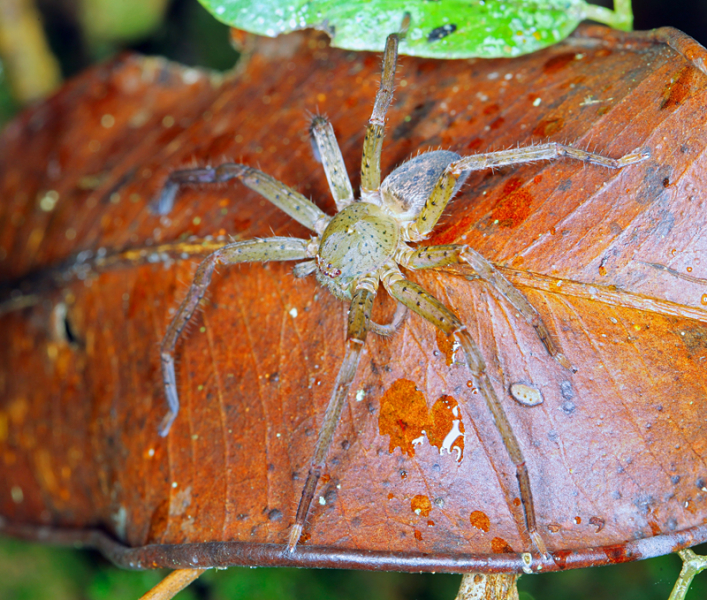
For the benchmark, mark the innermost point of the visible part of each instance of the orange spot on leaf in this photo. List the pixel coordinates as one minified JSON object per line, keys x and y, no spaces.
{"x":548,"y":127}
{"x":559,"y":62}
{"x":403,"y":415}
{"x":444,"y":414}
{"x":560,"y":557}
{"x":453,"y":232}
{"x":513,"y":206}
{"x":481,"y":521}
{"x":497,"y":123}
{"x":500,"y":546}
{"x":421,"y":505}
{"x":655,"y":528}
{"x":445,"y":343}
{"x":678,"y":89}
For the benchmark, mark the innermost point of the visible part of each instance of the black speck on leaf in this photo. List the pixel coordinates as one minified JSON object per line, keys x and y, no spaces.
{"x":441,"y":32}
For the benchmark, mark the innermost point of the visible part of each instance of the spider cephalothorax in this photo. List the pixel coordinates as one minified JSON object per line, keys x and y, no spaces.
{"x":364,"y":245}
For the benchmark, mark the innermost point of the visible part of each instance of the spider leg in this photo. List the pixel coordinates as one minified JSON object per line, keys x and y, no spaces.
{"x":276,"y":248}
{"x":441,"y":257}
{"x":359,"y":317}
{"x":330,"y":154}
{"x":373,"y":142}
{"x":401,"y":313}
{"x":293,"y":203}
{"x":428,"y":307}
{"x":444,"y":188}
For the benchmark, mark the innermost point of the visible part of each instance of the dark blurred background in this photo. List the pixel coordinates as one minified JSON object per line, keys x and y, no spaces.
{"x":78,"y":33}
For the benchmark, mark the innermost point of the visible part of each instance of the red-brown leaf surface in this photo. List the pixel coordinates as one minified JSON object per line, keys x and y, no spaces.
{"x":614,"y":261}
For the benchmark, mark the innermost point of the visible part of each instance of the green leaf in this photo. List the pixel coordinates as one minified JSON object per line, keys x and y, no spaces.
{"x":8,"y":106}
{"x":439,"y":29}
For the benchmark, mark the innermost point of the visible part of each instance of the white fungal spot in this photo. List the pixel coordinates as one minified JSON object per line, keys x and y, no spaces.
{"x":526,"y":395}
{"x":190,"y":76}
{"x":449,"y":441}
{"x":49,"y":200}
{"x":360,"y":395}
{"x":17,"y":494}
{"x":120,"y":520}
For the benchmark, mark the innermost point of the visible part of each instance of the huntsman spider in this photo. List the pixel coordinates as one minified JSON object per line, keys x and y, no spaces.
{"x":364,"y":245}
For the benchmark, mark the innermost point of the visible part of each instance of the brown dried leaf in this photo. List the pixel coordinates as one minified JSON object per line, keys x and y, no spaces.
{"x":612,"y":260}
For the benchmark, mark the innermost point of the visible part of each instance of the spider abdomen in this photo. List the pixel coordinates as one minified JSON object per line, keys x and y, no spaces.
{"x":357,"y":241}
{"x":405,"y":191}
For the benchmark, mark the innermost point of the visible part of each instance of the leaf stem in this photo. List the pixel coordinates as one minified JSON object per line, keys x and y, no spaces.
{"x":619,"y":18}
{"x":171,"y":585}
{"x":692,"y":564}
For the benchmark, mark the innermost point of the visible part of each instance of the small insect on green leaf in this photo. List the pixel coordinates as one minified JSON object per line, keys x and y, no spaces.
{"x":443,"y":29}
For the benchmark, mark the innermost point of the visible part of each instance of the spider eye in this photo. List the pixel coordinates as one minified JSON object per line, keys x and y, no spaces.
{"x":327,"y":268}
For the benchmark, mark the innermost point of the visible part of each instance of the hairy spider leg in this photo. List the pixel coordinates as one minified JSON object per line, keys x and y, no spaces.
{"x":401,"y":312}
{"x":297,"y":206}
{"x":358,"y":320}
{"x":333,"y":162}
{"x":285,"y":198}
{"x":271,"y":249}
{"x":443,"y":190}
{"x":429,"y":308}
{"x":373,"y":142}
{"x":454,"y":255}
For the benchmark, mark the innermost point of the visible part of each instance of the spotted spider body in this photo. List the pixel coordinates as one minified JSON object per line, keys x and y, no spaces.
{"x":359,"y":240}
{"x":364,"y":246}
